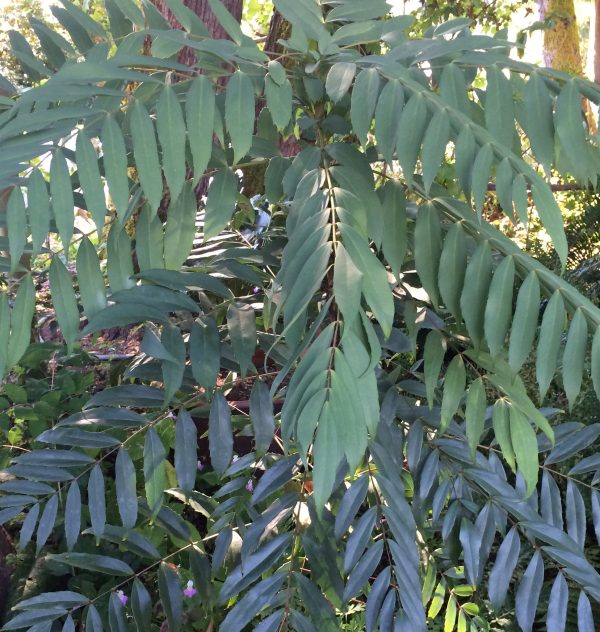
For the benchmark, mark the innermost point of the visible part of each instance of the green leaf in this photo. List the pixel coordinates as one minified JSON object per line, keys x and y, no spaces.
{"x":239,"y":113}
{"x":46,"y":525}
{"x":434,"y":147}
{"x":537,"y":120}
{"x":574,"y":356}
{"x":28,"y":526}
{"x":394,"y":242}
{"x":501,"y":424}
{"x":475,"y":291}
{"x":328,"y":454}
{"x":90,"y":280}
{"x":16,"y":220}
{"x":20,"y":320}
{"x":433,"y":356}
{"x":180,"y":228}
{"x":220,"y":202}
{"x":230,"y":25}
{"x":205,"y":354}
{"x":171,"y":134}
{"x":504,"y":566}
{"x":38,"y":209}
{"x":125,"y":484}
{"x":339,"y":79}
{"x":524,"y":322}
{"x":363,"y":101}
{"x":30,"y":618}
{"x":119,"y":261}
{"x":550,"y":216}
{"x":241,"y":323}
{"x":63,"y":205}
{"x":93,"y":621}
{"x":466,"y":147}
{"x":452,"y":268}
{"x":427,"y":249}
{"x":186,"y":451}
{"x":88,"y":174}
{"x":279,"y":101}
{"x":174,"y":366}
{"x":116,"y":616}
{"x":480,"y":175}
{"x":356,"y":11}
{"x":62,"y":598}
{"x":64,"y":301}
{"x":524,"y":442}
{"x":549,"y":342}
{"x":475,"y":414}
{"x":347,"y":283}
{"x":200,"y":118}
{"x":155,"y":481}
{"x":171,"y":595}
{"x":145,"y":152}
{"x":305,"y":13}
{"x":141,"y":605}
{"x":261,"y":415}
{"x":73,"y":515}
{"x":595,"y":368}
{"x":388,"y":117}
{"x":409,"y":134}
{"x":94,"y":563}
{"x":97,"y":501}
{"x":585,"y":618}
{"x":149,"y":240}
{"x":454,"y":387}
{"x":498,"y":309}
{"x":528,"y":592}
{"x":5,"y":333}
{"x":363,"y":571}
{"x":499,"y":109}
{"x":115,"y":164}
{"x":220,"y":436}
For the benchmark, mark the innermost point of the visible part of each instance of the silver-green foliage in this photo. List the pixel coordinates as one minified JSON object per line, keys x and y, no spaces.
{"x":378,"y":497}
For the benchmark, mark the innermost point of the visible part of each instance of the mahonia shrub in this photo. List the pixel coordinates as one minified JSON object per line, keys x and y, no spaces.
{"x":326,"y":412}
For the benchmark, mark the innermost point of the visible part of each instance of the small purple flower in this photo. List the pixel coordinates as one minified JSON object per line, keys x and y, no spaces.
{"x":122,"y":597}
{"x":200,"y":466}
{"x":255,"y":290}
{"x":190,"y":591}
{"x":250,"y":486}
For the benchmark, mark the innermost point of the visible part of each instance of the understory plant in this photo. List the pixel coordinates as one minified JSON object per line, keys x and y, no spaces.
{"x":326,"y":415}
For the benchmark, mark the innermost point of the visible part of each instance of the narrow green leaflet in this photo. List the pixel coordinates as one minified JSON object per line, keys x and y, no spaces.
{"x":154,"y":470}
{"x":115,"y":164}
{"x":46,"y":524}
{"x":73,"y":515}
{"x":149,"y":240}
{"x":524,"y":442}
{"x":524,"y":322}
{"x":475,"y":291}
{"x":499,"y":109}
{"x":537,"y":120}
{"x":412,"y":126}
{"x":394,"y":241}
{"x":90,"y":279}
{"x":220,"y":435}
{"x":88,"y":173}
{"x":186,"y":454}
{"x":94,"y":563}
{"x":145,"y":152}
{"x":200,"y":118}
{"x":339,"y":79}
{"x":141,"y":605}
{"x":125,"y":483}
{"x":220,"y":202}
{"x":528,"y":592}
{"x":16,"y":220}
{"x":63,"y":205}
{"x":64,"y":301}
{"x":171,"y":595}
{"x":180,"y":228}
{"x":475,"y":414}
{"x":261,"y":415}
{"x":328,"y":453}
{"x":480,"y":175}
{"x":20,"y":320}
{"x":38,"y":209}
{"x":279,"y":101}
{"x":239,"y":113}
{"x":97,"y":501}
{"x":387,"y":118}
{"x":549,"y":342}
{"x":347,"y":283}
{"x":454,"y":387}
{"x":434,"y":147}
{"x":574,"y":356}
{"x":4,"y":332}
{"x":465,"y":150}
{"x":428,"y":249}
{"x":433,"y":356}
{"x":28,"y":526}
{"x":170,"y":126}
{"x":363,"y":101}
{"x":550,"y":216}
{"x":119,"y":262}
{"x":501,"y":424}
{"x":504,"y":566}
{"x":557,"y":604}
{"x":498,"y":309}
{"x":595,"y":368}
{"x":241,"y":321}
{"x":205,"y":354}
{"x":453,"y":265}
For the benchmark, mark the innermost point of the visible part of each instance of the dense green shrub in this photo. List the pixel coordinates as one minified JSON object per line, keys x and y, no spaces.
{"x":328,"y":417}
